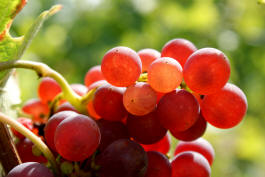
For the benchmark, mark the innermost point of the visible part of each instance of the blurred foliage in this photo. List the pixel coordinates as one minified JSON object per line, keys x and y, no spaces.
{"x":77,"y":38}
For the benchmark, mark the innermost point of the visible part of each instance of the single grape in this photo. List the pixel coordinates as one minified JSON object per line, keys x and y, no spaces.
{"x":53,"y":122}
{"x":164,"y":74}
{"x":123,"y":158}
{"x":94,"y":74}
{"x":66,"y":106}
{"x":108,"y":102}
{"x":48,"y":89}
{"x":162,"y":146}
{"x":79,"y":89}
{"x":206,"y":71}
{"x":147,"y":57}
{"x":30,"y":169}
{"x":24,"y":148}
{"x":26,"y":122}
{"x":179,"y":49}
{"x":96,"y":84}
{"x":77,"y":137}
{"x":111,"y":131}
{"x":145,"y":129}
{"x":38,"y":110}
{"x":121,"y":66}
{"x":139,"y":99}
{"x":178,"y":110}
{"x":158,"y":165}
{"x":190,"y":164}
{"x":194,"y":132}
{"x":226,"y":108}
{"x":200,"y":145}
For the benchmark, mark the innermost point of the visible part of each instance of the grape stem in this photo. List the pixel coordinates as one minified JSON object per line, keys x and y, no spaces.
{"x":35,"y":139}
{"x":44,"y":70}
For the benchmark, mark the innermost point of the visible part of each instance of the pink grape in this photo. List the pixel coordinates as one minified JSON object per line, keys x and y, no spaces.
{"x":93,"y":74}
{"x":139,"y":99}
{"x":226,"y":108}
{"x":164,"y":74}
{"x":79,"y":89}
{"x":179,"y":49}
{"x":206,"y":71}
{"x":147,"y":57}
{"x":121,"y":66}
{"x":48,"y":89}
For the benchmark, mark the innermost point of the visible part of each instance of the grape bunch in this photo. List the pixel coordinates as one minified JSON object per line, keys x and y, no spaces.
{"x":137,"y":103}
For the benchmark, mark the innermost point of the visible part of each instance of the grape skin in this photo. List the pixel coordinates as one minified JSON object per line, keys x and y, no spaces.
{"x":179,"y":49}
{"x":80,"y":89}
{"x":178,"y":110}
{"x":200,"y":145}
{"x":26,"y":122}
{"x":30,"y":169}
{"x":206,"y":71}
{"x":164,"y":74}
{"x":123,"y":158}
{"x":121,"y":66}
{"x":145,"y":129}
{"x":77,"y":138}
{"x":158,"y":165}
{"x":190,"y":164}
{"x":48,"y":89}
{"x":147,"y":57}
{"x":162,"y":146}
{"x":226,"y":108}
{"x":93,"y":74}
{"x":139,"y":99}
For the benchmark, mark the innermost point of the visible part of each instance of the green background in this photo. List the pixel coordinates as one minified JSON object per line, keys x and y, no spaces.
{"x":77,"y":38}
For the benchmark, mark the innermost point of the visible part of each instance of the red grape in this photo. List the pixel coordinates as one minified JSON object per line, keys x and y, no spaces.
{"x":91,"y":111}
{"x":190,"y":164}
{"x":162,"y":146}
{"x":139,"y":99}
{"x":66,"y":106}
{"x":96,"y":84}
{"x":94,"y":74}
{"x":48,"y":89}
{"x":206,"y":71}
{"x":123,"y":158}
{"x":77,"y":137}
{"x":108,"y":102}
{"x":179,"y":49}
{"x":30,"y":169}
{"x":79,"y":89}
{"x":38,"y":110}
{"x":145,"y":129}
{"x":194,"y":132}
{"x":178,"y":110}
{"x":121,"y":66}
{"x":164,"y":74}
{"x":158,"y":165}
{"x":226,"y":108}
{"x":111,"y":131}
{"x":200,"y":145}
{"x":147,"y":57}
{"x":26,"y":123}
{"x":50,"y":127}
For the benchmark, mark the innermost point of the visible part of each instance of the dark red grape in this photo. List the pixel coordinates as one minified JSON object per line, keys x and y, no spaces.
{"x":145,"y":129}
{"x":139,"y":99}
{"x":206,"y":71}
{"x":178,"y":110}
{"x":200,"y":145}
{"x":94,"y":74}
{"x":38,"y":110}
{"x":194,"y":132}
{"x":121,"y":66}
{"x":26,"y":122}
{"x":77,"y":137}
{"x":179,"y":49}
{"x":111,"y":131}
{"x":164,"y":74}
{"x":108,"y":102}
{"x":50,"y":127}
{"x":48,"y":89}
{"x":158,"y":165}
{"x":147,"y":57}
{"x":226,"y":108}
{"x":30,"y":169}
{"x":190,"y":164}
{"x":162,"y":146}
{"x":123,"y":158}
{"x":24,"y":149}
